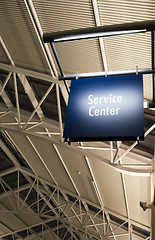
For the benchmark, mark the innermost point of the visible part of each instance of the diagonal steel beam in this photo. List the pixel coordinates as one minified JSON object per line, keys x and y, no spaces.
{"x":39,"y":32}
{"x":101,"y":41}
{"x":30,"y":94}
{"x":5,"y":82}
{"x":17,"y":99}
{"x":9,"y":154}
{"x":6,"y":99}
{"x":38,"y":29}
{"x":134,"y":144}
{"x":39,"y":104}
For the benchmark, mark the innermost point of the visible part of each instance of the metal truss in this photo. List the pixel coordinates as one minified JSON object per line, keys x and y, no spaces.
{"x":60,"y":213}
{"x":27,"y":128}
{"x":67,"y":206}
{"x":56,"y":210}
{"x":54,"y":202}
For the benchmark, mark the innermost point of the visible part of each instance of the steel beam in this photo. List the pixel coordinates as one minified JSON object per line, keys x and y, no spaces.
{"x":30,"y":73}
{"x":17,"y":99}
{"x":9,"y":154}
{"x":5,"y":82}
{"x":135,"y":143}
{"x":153,"y":65}
{"x":41,"y":159}
{"x":6,"y":99}
{"x":124,"y":188}
{"x":108,"y":73}
{"x":47,"y":53}
{"x":39,"y":32}
{"x":59,"y":111}
{"x":83,"y":152}
{"x":66,"y":169}
{"x":153,"y":198}
{"x":101,"y":41}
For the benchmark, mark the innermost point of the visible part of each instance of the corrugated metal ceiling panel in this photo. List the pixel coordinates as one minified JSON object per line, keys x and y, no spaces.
{"x":121,"y":11}
{"x":147,"y":86}
{"x":3,"y":57}
{"x":18,"y":34}
{"x":82,"y":56}
{"x":59,"y":15}
{"x":128,"y":51}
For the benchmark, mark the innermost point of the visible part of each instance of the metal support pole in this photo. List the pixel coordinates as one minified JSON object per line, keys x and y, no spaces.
{"x":17,"y":99}
{"x":57,"y":59}
{"x":153,"y":67}
{"x":153,"y":198}
{"x":104,"y":73}
{"x":153,"y":223}
{"x":59,"y":111}
{"x":59,"y":66}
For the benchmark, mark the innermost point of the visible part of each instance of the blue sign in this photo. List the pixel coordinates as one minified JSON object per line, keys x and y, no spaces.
{"x":105,"y":108}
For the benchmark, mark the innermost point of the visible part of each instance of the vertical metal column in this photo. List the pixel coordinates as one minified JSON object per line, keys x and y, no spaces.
{"x":153,"y":180}
{"x":153,"y":198}
{"x":153,"y":223}
{"x":153,"y":66}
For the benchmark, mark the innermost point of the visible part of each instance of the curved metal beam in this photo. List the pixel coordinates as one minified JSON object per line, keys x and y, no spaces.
{"x":83,"y":152}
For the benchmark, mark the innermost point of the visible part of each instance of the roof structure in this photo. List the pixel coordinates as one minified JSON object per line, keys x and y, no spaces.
{"x":86,"y":190}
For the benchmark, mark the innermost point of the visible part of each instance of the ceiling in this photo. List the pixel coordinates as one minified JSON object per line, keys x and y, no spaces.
{"x":86,"y":190}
